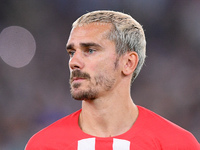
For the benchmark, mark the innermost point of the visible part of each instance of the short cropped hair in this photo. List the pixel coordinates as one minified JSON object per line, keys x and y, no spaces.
{"x":126,"y":32}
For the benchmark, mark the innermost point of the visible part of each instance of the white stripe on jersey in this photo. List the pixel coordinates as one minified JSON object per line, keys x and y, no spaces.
{"x":86,"y":144}
{"x":119,"y":144}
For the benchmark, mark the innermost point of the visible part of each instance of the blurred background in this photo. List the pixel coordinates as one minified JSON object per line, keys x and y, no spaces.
{"x":36,"y":93}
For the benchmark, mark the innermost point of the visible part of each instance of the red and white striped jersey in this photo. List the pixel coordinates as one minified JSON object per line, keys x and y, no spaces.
{"x":150,"y":131}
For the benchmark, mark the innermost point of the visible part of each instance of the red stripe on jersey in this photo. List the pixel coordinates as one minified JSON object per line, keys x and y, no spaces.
{"x":102,"y":144}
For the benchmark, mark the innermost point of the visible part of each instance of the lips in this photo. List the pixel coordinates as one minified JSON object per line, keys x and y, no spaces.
{"x":77,"y":79}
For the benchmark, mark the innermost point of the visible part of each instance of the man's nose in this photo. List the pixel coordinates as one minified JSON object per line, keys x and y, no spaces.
{"x":76,"y":61}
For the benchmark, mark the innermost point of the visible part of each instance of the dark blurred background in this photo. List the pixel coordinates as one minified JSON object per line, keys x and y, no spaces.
{"x":34,"y":96}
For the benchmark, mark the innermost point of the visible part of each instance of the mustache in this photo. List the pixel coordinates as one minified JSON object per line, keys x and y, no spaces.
{"x":79,"y":74}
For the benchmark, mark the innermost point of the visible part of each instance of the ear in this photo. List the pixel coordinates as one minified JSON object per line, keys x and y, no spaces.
{"x":130,"y":60}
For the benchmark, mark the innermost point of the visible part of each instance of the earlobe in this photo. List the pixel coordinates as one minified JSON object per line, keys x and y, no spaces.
{"x":130,"y":63}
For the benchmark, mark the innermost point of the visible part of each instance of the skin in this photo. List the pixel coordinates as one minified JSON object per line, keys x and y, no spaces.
{"x":110,"y":111}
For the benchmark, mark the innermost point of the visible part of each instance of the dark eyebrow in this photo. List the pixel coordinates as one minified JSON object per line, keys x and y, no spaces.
{"x":90,"y":44}
{"x":70,"y":46}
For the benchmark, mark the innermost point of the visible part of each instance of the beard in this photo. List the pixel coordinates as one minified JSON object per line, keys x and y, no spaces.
{"x":91,"y":92}
{"x":88,"y":94}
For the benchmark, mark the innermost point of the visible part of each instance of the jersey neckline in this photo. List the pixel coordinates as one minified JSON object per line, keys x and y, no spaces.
{"x":131,"y":131}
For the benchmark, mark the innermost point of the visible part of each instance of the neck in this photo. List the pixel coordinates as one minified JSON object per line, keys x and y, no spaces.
{"x":105,"y":117}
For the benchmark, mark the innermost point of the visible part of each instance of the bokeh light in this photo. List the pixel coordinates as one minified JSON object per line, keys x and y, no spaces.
{"x":17,"y":46}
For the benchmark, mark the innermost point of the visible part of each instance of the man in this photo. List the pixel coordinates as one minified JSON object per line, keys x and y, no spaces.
{"x":107,"y":51}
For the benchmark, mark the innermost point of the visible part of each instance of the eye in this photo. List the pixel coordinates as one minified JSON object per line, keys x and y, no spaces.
{"x":91,"y":51}
{"x":71,"y":53}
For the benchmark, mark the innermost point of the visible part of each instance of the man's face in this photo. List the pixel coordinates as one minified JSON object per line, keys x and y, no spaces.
{"x":93,"y":62}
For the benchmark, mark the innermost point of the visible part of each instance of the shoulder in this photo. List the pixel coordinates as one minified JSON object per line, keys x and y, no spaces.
{"x":58,"y":131}
{"x":164,"y":131}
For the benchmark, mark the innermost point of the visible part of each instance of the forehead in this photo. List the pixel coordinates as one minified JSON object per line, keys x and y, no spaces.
{"x":90,"y":32}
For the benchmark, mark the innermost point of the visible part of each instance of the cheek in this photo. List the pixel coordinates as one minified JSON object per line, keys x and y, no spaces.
{"x":102,"y":65}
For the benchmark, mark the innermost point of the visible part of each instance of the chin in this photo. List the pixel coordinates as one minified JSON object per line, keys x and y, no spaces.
{"x":84,"y":95}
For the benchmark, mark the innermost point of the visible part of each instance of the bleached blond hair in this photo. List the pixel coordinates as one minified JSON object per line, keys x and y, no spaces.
{"x":126,"y":32}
